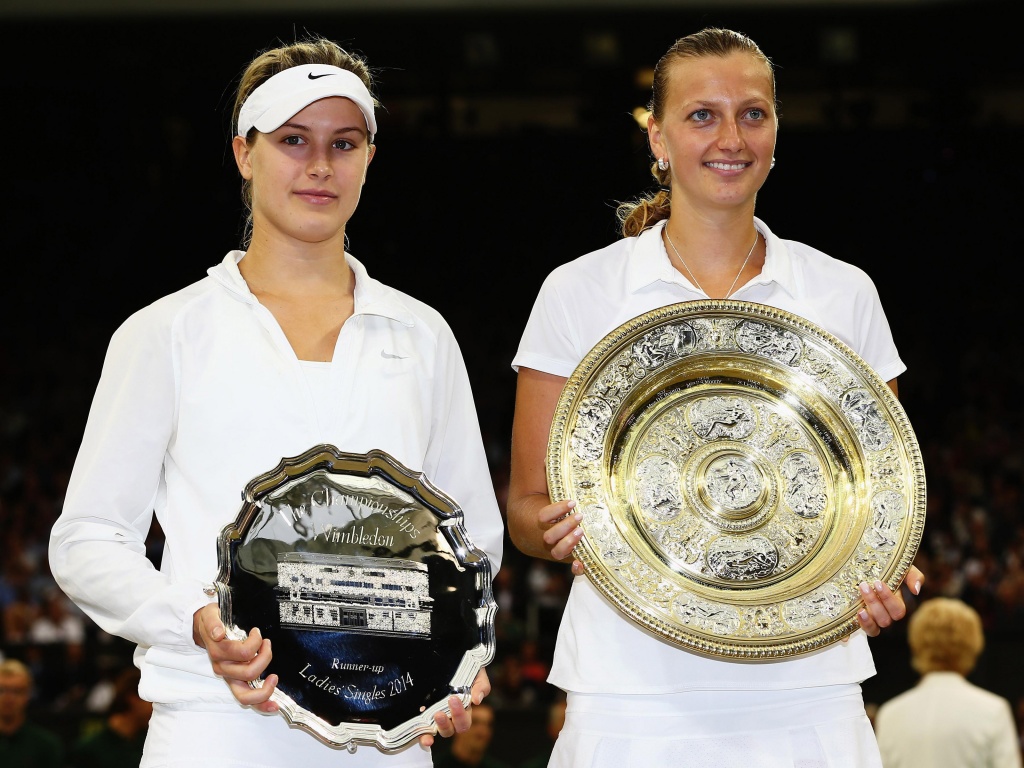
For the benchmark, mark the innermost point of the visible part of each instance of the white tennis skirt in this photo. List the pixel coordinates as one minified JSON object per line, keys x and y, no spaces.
{"x":243,"y":737}
{"x":824,"y":727}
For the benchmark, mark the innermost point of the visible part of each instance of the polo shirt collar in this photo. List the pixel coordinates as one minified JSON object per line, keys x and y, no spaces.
{"x":651,"y":263}
{"x":371,"y":297}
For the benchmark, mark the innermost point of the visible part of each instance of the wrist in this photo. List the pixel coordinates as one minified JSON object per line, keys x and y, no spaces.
{"x":210,"y":594}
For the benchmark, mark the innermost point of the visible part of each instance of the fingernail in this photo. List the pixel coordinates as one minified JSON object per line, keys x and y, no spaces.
{"x":864,"y":588}
{"x":572,"y":505}
{"x":578,"y":532}
{"x":863,"y":615}
{"x":917,"y":587}
{"x":878,"y":586}
{"x":578,"y":517}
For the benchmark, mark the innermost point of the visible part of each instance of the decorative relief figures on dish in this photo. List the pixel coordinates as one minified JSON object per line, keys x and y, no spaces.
{"x":740,"y":471}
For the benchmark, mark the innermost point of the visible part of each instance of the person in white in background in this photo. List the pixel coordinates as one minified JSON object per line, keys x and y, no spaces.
{"x":945,"y":721}
{"x":282,"y":347}
{"x":57,"y":622}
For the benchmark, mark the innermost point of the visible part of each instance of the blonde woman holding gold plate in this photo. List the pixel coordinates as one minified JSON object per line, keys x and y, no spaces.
{"x":633,"y":697}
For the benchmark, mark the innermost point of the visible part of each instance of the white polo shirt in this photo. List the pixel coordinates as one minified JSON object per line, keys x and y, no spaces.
{"x":598,"y":649}
{"x":200,"y":393}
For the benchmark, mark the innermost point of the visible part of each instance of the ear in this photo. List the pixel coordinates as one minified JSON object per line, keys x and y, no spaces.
{"x":370,"y":153}
{"x":654,"y":138}
{"x":243,"y":156}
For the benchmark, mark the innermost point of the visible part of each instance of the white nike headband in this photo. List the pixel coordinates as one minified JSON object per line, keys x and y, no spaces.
{"x":290,"y":91}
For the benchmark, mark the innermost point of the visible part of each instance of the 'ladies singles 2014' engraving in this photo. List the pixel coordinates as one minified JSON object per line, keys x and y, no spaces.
{"x":384,"y":690}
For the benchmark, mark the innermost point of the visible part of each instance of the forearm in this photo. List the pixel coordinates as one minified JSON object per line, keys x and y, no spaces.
{"x":535,"y":524}
{"x":524,"y":525}
{"x":119,"y":589}
{"x":456,"y":460}
{"x":527,"y":530}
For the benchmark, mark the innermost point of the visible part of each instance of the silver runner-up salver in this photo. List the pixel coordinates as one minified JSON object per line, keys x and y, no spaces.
{"x":377,"y":603}
{"x":740,"y":472}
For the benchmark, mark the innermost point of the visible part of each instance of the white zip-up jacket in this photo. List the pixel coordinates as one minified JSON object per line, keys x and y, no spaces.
{"x":201,"y":392}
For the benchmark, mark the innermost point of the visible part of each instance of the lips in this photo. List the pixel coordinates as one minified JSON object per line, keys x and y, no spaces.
{"x":727,"y":166}
{"x":317,"y":196}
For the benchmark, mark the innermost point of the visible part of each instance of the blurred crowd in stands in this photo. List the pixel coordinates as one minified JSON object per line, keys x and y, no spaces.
{"x":973,"y":546}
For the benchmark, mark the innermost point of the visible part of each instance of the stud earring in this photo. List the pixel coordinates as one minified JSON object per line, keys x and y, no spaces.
{"x":772,"y":165}
{"x":662,"y":164}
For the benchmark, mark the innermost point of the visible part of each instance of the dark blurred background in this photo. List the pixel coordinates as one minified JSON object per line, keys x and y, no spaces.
{"x":506,"y":139}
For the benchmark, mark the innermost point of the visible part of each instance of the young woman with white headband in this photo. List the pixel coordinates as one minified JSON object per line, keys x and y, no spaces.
{"x":633,"y":698}
{"x":281,"y":347}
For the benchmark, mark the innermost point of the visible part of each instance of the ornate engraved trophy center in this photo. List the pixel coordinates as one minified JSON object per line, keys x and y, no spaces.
{"x":740,"y":471}
{"x":732,"y":484}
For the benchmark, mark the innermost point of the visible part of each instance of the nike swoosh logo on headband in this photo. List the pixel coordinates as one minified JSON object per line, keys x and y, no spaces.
{"x":311,"y":76}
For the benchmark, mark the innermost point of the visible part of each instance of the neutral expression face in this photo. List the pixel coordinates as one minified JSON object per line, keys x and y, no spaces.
{"x":717,"y":131}
{"x":482,"y":728}
{"x":307,"y":175}
{"x":15,"y":691}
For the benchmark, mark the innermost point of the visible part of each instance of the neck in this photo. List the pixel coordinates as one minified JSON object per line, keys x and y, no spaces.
{"x":286,"y":269}
{"x":711,"y":237}
{"x":11,"y":723}
{"x":718,"y":254}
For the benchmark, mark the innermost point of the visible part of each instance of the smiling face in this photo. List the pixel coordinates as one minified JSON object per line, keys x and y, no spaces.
{"x":717,"y":130}
{"x":308,"y":174}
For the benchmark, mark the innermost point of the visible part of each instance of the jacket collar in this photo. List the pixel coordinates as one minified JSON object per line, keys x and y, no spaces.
{"x":371,"y":296}
{"x":651,"y":262}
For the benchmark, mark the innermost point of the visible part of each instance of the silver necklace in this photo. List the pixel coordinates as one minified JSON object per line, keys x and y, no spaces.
{"x":742,"y":266}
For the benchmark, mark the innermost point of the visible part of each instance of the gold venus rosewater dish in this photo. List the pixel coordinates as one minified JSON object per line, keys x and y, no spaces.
{"x":740,"y":472}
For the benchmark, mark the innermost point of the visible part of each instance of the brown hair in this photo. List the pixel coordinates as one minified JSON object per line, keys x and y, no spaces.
{"x":945,"y":635}
{"x":313,"y":50}
{"x":646,"y":211}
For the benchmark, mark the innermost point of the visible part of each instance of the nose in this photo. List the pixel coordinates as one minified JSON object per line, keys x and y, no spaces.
{"x":320,"y":166}
{"x":730,"y":136}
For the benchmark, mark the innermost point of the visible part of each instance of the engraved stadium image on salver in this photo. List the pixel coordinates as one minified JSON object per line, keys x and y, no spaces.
{"x":357,"y":594}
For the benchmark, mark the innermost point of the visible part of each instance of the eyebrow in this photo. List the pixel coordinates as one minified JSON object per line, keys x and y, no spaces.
{"x":713,"y":101}
{"x":301,"y":127}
